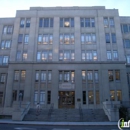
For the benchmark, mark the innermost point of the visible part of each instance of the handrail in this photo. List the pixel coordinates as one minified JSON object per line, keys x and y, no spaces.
{"x":25,"y":110}
{"x":50,"y":110}
{"x":80,"y":112}
{"x":106,"y":110}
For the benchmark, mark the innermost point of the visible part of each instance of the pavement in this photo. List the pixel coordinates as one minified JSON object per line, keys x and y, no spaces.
{"x":9,"y":121}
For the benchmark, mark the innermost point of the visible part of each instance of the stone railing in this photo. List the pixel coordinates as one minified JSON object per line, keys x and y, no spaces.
{"x":111,"y":109}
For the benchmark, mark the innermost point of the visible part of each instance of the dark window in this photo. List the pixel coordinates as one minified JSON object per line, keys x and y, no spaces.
{"x":16,"y":75}
{"x":22,"y":23}
{"x":84,"y":97}
{"x":61,"y":22}
{"x":72,"y":22}
{"x":126,"y":43}
{"x":40,"y":22}
{"x":87,"y":22}
{"x":82,"y":22}
{"x":51,"y":22}
{"x":107,"y":35}
{"x":1,"y":60}
{"x":93,"y":22}
{"x":46,"y":22}
{"x":1,"y":98}
{"x":14,"y":95}
{"x":110,"y":74}
{"x":113,"y":37}
{"x":22,"y":95}
{"x":28,"y":23}
{"x":125,"y":28}
{"x":117,"y":75}
{"x":20,"y":38}
{"x":49,"y":97}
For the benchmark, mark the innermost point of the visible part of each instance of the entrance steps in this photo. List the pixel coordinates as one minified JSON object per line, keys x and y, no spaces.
{"x":67,"y":115}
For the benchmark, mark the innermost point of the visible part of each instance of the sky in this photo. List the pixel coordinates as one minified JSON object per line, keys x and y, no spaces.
{"x":8,"y":7}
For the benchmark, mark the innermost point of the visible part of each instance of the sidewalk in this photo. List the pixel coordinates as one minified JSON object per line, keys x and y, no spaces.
{"x":7,"y":121}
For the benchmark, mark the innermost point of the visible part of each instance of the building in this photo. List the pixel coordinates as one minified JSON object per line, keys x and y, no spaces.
{"x":65,"y":56}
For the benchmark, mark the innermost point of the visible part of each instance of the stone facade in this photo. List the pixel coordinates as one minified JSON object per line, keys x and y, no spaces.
{"x":40,"y":81}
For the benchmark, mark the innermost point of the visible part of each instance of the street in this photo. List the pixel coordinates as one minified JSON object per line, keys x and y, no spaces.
{"x":40,"y":127}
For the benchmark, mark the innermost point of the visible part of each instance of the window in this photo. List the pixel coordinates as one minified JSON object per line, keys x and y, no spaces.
{"x":88,"y":38}
{"x":61,"y":55}
{"x":39,"y":39}
{"x":125,"y":28}
{"x":107,"y":35}
{"x":119,"y":95}
{"x":49,"y":75}
{"x":83,"y":76}
{"x":1,"y":60}
{"x":23,"y":74}
{"x":42,"y":97}
{"x":115,"y":55}
{"x":96,"y":76}
{"x":90,"y":97}
{"x":111,"y":21}
{"x":61,"y":39}
{"x":26,"y":39}
{"x":72,"y":38}
{"x":90,"y":76}
{"x":22,"y":93}
{"x":14,"y":95}
{"x":36,"y":97}
{"x":20,"y":38}
{"x":51,"y":39}
{"x":94,"y":55}
{"x":10,"y":29}
{"x":5,"y":44}
{"x":66,"y":55}
{"x":84,"y":97}
{"x":18,"y":56}
{"x":106,"y":22}
{"x":25,"y":55}
{"x":45,"y":39}
{"x":117,"y":75}
{"x":109,"y":55}
{"x":60,"y":76}
{"x":67,"y":38}
{"x":28,"y":22}
{"x":83,"y":55}
{"x":113,"y":37}
{"x":110,"y":75}
{"x":126,"y":43}
{"x":3,"y":78}
{"x":1,"y":98}
{"x":5,"y":29}
{"x":2,"y":44}
{"x":38,"y":56}
{"x":5,"y":59}
{"x":43,"y":76}
{"x":46,"y":22}
{"x":50,"y":55}
{"x":49,"y":97}
{"x":72,"y":76}
{"x":89,"y":55}
{"x":82,"y":38}
{"x":66,"y":76}
{"x":128,"y":59}
{"x":97,"y":97}
{"x":16,"y":75}
{"x":44,"y":55}
{"x":22,"y":22}
{"x":37,"y":76}
{"x":112,"y":94}
{"x":66,"y":22}
{"x":87,"y":22}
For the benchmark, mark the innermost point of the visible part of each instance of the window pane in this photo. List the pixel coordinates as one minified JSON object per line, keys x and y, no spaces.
{"x":20,"y":38}
{"x":94,"y":55}
{"x":25,"y":55}
{"x":93,"y":38}
{"x":43,"y":76}
{"x":22,"y":23}
{"x":26,"y":39}
{"x":96,"y":76}
{"x":111,"y":22}
{"x":88,"y":38}
{"x":90,"y":76}
{"x":117,"y":75}
{"x":7,"y":44}
{"x":44,"y":55}
{"x":115,"y":55}
{"x":49,"y":75}
{"x":28,"y":23}
{"x":60,"y":76}
{"x":72,"y":38}
{"x":82,"y":22}
{"x":5,"y":29}
{"x":2,"y":44}
{"x":107,"y":35}
{"x":38,"y":56}
{"x":37,"y":76}
{"x":72,"y":55}
{"x":10,"y":30}
{"x":83,"y":55}
{"x":45,"y":39}
{"x":110,"y":75}
{"x":5,"y":59}
{"x":112,"y":93}
{"x":82,"y":38}
{"x":72,"y":22}
{"x":39,"y":39}
{"x":18,"y":55}
{"x":66,"y":76}
{"x":113,"y":38}
{"x":51,"y":39}
{"x":46,"y":22}
{"x":105,"y":22}
{"x":61,"y":22}
{"x":3,"y":78}
{"x":87,"y":22}
{"x":72,"y":76}
{"x":61,"y":55}
{"x":90,"y":97}
{"x":128,"y":59}
{"x":51,"y":22}
{"x":119,"y":95}
{"x":67,"y":38}
{"x":40,"y":22}
{"x":61,"y":39}
{"x":83,"y":76}
{"x":109,"y":55}
{"x":92,"y":22}
{"x":23,"y":74}
{"x":16,"y":75}
{"x":66,"y":55}
{"x":50,"y":55}
{"x":125,"y":28}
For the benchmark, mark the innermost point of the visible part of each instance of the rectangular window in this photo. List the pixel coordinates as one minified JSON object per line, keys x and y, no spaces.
{"x":23,"y":74}
{"x":43,"y":76}
{"x":50,"y":55}
{"x":51,"y":22}
{"x":7,"y":44}
{"x":84,"y":97}
{"x":106,"y":22}
{"x":72,"y":76}
{"x":60,"y":55}
{"x":22,"y":22}
{"x":128,"y":59}
{"x":72,"y":55}
{"x":36,"y":97}
{"x":46,"y":22}
{"x":90,"y":97}
{"x":14,"y":95}
{"x":37,"y":76}
{"x":2,"y":44}
{"x":5,"y":60}
{"x":87,"y":22}
{"x":49,"y":97}
{"x":82,"y":38}
{"x":61,"y":39}
{"x":109,"y":55}
{"x":3,"y":78}
{"x":38,"y":56}
{"x":39,"y":39}
{"x":44,"y":55}
{"x":83,"y":56}
{"x":60,"y":76}
{"x":1,"y":60}
{"x":93,"y":38}
{"x":107,"y":36}
{"x":42,"y":97}
{"x":125,"y":28}
{"x":111,"y":21}
{"x":20,"y":38}
{"x":115,"y":55}
{"x":61,"y":22}
{"x":119,"y":95}
{"x":97,"y":97}
{"x":28,"y":22}
{"x":94,"y":55}
{"x":72,"y":38}
{"x":89,"y":55}
{"x":81,"y":22}
{"x":90,"y":76}
{"x":96,"y":78}
{"x":88,"y":38}
{"x":92,"y":22}
{"x":22,"y":95}
{"x":110,"y":75}
{"x":66,"y":76}
{"x":117,"y":75}
{"x":25,"y":55}
{"x":18,"y":56}
{"x":113,"y":37}
{"x":49,"y":76}
{"x":72,"y":22}
{"x":45,"y":39}
{"x":83,"y":76}
{"x":10,"y":30}
{"x":51,"y":39}
{"x":16,"y":75}
{"x":40,"y":22}
{"x":5,"y":29}
{"x":67,"y":22}
{"x":66,"y":38}
{"x":66,"y":55}
{"x":26,"y":39}
{"x":112,"y":94}
{"x":126,"y":43}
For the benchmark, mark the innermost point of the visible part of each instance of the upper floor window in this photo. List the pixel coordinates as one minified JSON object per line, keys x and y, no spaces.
{"x":113,"y":35}
{"x":111,"y":75}
{"x":8,"y":29}
{"x":4,"y":60}
{"x":115,"y":55}
{"x":28,"y":22}
{"x":22,"y":22}
{"x":89,"y":55}
{"x":3,"y":78}
{"x":109,"y":57}
{"x":87,"y":22}
{"x":66,"y":22}
{"x":46,"y":22}
{"x":45,"y":39}
{"x":18,"y":55}
{"x":66,"y":55}
{"x":128,"y":59}
{"x":126,"y":43}
{"x":88,"y":38}
{"x":67,"y":38}
{"x":125,"y":28}
{"x":26,"y":39}
{"x":109,"y":22}
{"x":5,"y":44}
{"x":23,"y":38}
{"x":25,"y":55}
{"x":20,"y":38}
{"x":107,"y":36}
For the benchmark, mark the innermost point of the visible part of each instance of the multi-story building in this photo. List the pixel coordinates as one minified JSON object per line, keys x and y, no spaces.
{"x":65,"y":56}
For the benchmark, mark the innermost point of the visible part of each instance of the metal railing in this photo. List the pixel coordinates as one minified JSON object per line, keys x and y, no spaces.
{"x":80,"y":112}
{"x":50,"y":110}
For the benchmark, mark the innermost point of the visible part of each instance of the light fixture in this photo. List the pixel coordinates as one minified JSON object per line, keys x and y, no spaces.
{"x":67,"y":24}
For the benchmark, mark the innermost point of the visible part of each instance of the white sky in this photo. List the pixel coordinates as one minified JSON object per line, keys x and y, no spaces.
{"x":8,"y":7}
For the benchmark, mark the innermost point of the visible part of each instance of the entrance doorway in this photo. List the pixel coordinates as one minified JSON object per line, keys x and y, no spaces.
{"x":66,"y":99}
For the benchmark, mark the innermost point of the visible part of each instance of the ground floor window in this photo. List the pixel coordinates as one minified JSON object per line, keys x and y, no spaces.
{"x":84,"y":97}
{"x":90,"y":97}
{"x":97,"y":97}
{"x":1,"y":98}
{"x":39,"y":97}
{"x":49,"y":97}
